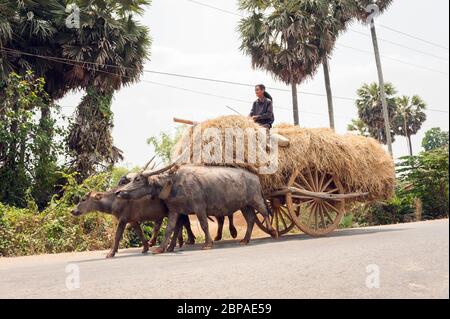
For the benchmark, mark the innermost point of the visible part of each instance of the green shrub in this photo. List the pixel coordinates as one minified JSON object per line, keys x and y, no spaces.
{"x":29,"y":232}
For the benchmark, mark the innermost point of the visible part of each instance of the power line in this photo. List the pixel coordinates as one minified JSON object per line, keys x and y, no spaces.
{"x":393,"y":59}
{"x":177,"y":87}
{"x":413,"y":37}
{"x":216,"y":8}
{"x":399,"y":61}
{"x":57,"y":59}
{"x":401,"y":45}
{"x":70,"y":62}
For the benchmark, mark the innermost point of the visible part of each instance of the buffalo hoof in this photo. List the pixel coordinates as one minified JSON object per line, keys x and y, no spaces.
{"x":207,"y":247}
{"x":145,"y":249}
{"x":170,"y":249}
{"x":111,"y":254}
{"x":190,"y":242}
{"x":218,"y":238}
{"x":233,"y":232}
{"x":244,"y":242}
{"x":274,"y":234}
{"x":158,"y":251}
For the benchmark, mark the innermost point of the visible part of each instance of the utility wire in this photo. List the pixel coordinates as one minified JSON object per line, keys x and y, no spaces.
{"x":393,"y":59}
{"x":401,"y":45}
{"x":175,"y":87}
{"x":387,"y":41}
{"x":216,"y":8}
{"x":57,"y":59}
{"x":77,"y":63}
{"x":413,"y":37}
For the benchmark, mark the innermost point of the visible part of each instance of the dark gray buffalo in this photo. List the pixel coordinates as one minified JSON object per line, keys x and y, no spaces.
{"x":132,"y":212}
{"x":207,"y":191}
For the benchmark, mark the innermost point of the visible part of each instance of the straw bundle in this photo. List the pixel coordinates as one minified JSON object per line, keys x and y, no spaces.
{"x":361,"y":164}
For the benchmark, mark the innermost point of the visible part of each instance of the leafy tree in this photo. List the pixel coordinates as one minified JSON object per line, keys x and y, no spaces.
{"x":409,"y":117}
{"x":339,"y":14}
{"x":359,"y":127}
{"x":425,"y":176}
{"x":370,"y":109}
{"x":165,"y":143}
{"x":28,"y":151}
{"x":435,"y":138}
{"x":107,"y":52}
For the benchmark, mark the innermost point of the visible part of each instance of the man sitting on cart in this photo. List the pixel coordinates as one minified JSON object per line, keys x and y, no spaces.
{"x":262,"y":110}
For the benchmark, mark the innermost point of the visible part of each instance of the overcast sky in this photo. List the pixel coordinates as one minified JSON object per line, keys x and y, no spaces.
{"x":194,"y":40}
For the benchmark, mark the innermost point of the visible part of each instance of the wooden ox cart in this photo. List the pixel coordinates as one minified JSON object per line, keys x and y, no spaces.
{"x":314,"y":199}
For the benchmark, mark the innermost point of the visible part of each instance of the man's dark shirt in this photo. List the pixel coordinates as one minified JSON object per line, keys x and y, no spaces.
{"x":263,"y":110}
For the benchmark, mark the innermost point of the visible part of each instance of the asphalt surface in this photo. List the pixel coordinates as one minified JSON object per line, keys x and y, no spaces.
{"x":398,"y":261}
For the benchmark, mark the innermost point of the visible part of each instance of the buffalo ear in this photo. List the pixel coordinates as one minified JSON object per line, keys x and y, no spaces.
{"x":98,"y":196}
{"x":165,"y":192}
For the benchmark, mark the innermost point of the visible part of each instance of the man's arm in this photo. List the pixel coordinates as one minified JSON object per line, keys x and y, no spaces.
{"x":252,"y":113}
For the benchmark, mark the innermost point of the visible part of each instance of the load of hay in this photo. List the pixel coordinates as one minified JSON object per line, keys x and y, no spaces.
{"x":361,"y":164}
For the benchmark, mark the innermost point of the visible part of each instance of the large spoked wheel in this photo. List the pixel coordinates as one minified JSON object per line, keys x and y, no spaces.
{"x":315,"y":216}
{"x":280,"y":218}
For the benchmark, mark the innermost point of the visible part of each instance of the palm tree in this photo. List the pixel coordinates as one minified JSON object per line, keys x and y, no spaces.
{"x":370,"y":109}
{"x":409,"y":118}
{"x":286,"y":38}
{"x":111,"y":47}
{"x":366,"y":14}
{"x":106,"y":53}
{"x":338,"y":14}
{"x":359,"y":127}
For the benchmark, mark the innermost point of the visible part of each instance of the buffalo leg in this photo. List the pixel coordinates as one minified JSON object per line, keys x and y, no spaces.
{"x":171,"y":225}
{"x":119,"y":233}
{"x":190,"y":234}
{"x":176,"y":234}
{"x":203,"y":219}
{"x":220,"y":222}
{"x":155,"y":232}
{"x":233,"y":230}
{"x":138,"y":230}
{"x":261,"y":207}
{"x":249,"y":216}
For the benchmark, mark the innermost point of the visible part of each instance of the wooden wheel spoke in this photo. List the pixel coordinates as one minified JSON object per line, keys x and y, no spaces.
{"x":327,"y":184}
{"x":329,"y":216}
{"x":311,"y":179}
{"x":277,"y":225}
{"x":282,"y":219}
{"x":332,"y":207}
{"x":305,"y":182}
{"x":332,"y":191}
{"x":316,"y":179}
{"x":316,"y":220}
{"x":313,"y":215}
{"x":322,"y":179}
{"x":322,"y":216}
{"x":311,"y":212}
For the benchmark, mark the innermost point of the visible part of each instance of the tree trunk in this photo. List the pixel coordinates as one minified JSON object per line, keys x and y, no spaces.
{"x":326,"y":71}
{"x":295,"y":103}
{"x":411,"y":153}
{"x":387,"y":123}
{"x":407,"y":135}
{"x":90,"y":140}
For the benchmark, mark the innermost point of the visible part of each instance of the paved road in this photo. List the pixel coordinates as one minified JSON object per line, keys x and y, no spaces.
{"x":404,"y":261}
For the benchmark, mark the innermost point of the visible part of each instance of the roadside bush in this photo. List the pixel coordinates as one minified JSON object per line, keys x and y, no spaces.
{"x":27,"y":231}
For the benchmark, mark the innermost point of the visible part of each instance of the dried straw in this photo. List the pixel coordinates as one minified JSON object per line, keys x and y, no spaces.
{"x":360,"y":164}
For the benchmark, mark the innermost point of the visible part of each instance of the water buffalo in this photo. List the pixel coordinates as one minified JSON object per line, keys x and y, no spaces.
{"x":133,"y":212}
{"x":220,"y":220}
{"x":207,"y":191}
